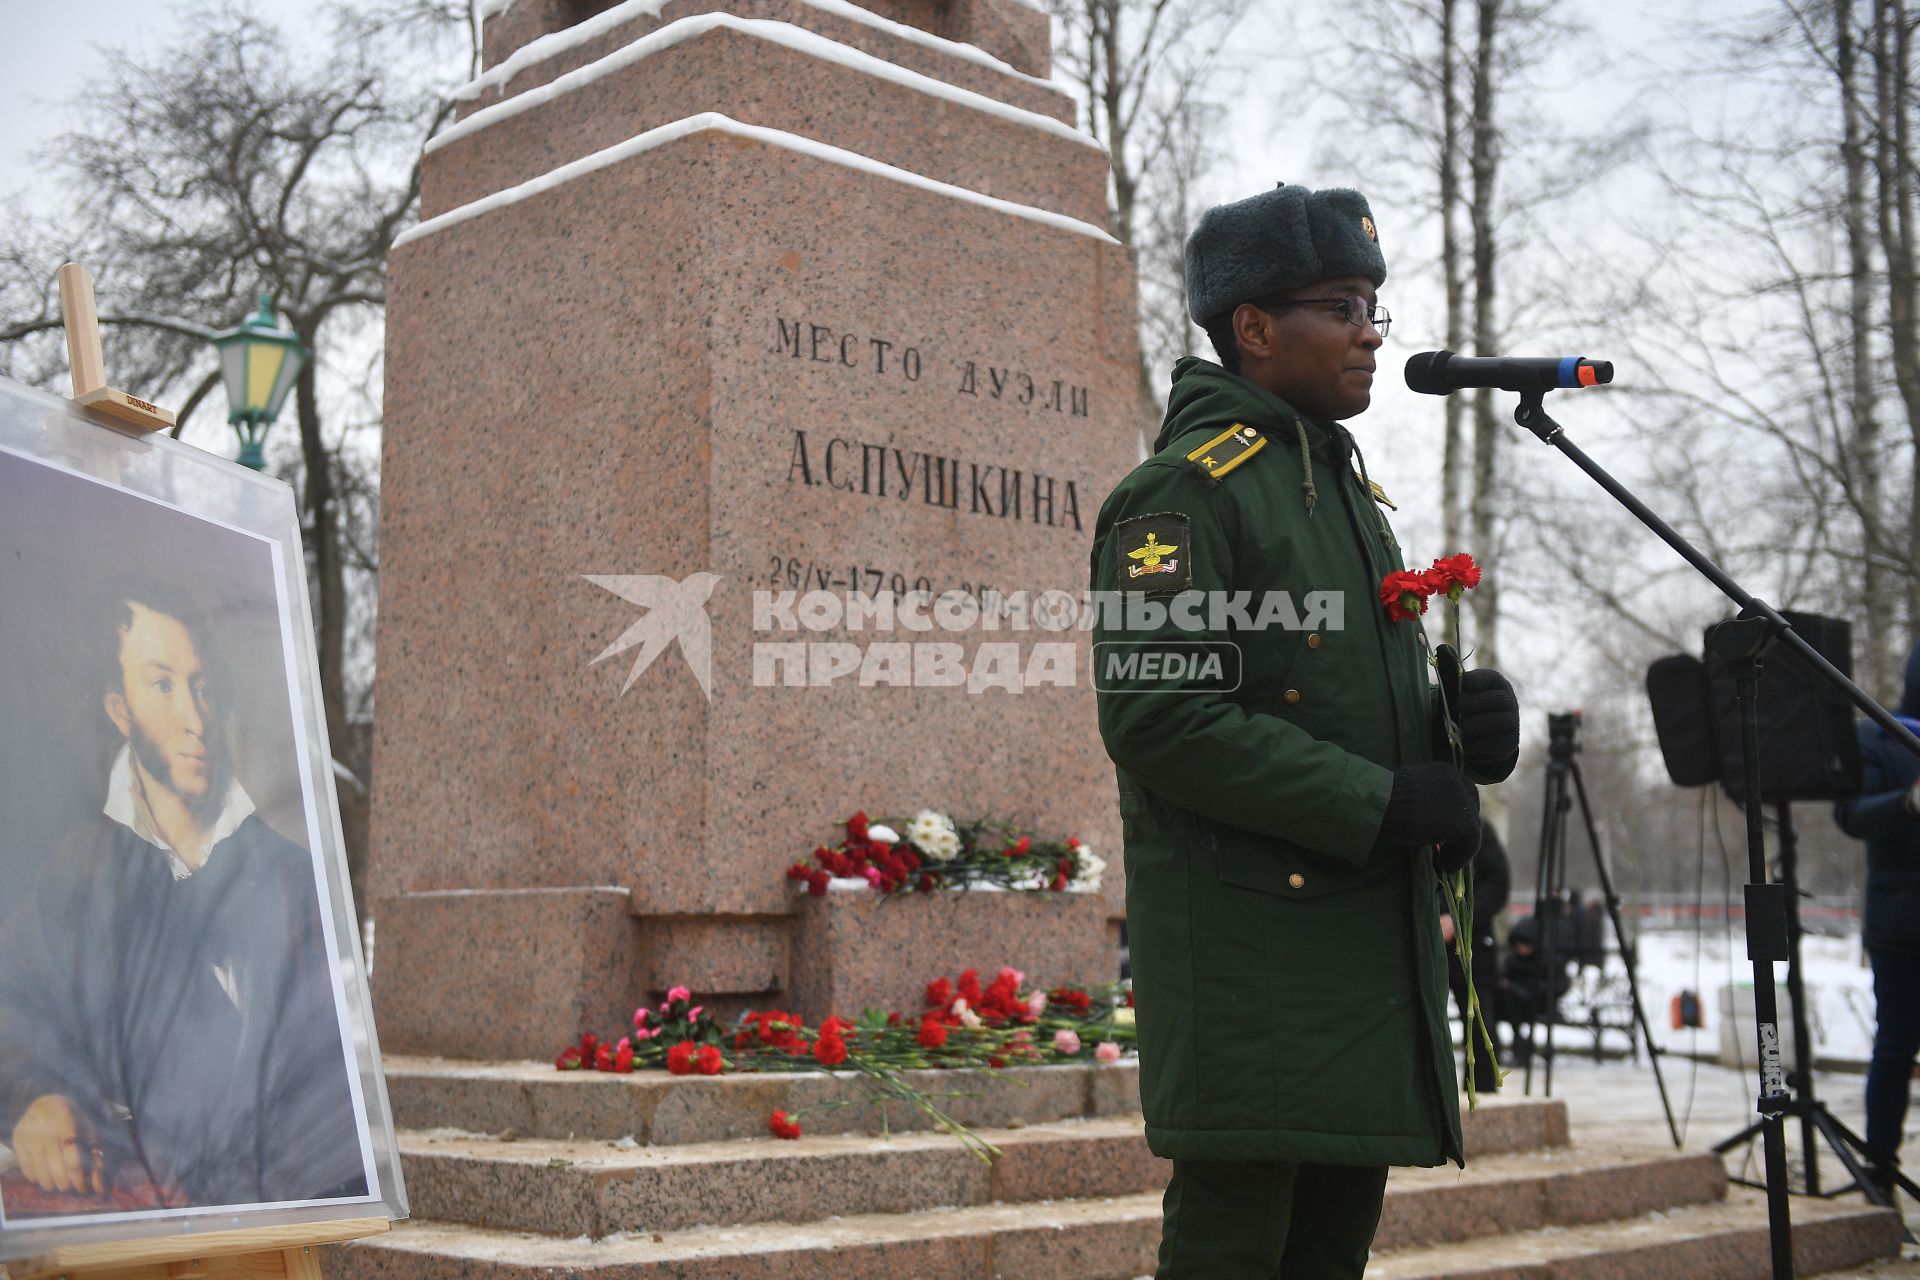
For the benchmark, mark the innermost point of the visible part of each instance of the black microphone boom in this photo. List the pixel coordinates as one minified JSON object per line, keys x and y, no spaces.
{"x":1441,"y":373}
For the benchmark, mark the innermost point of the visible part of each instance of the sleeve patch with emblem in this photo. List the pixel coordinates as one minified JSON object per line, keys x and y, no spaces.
{"x":1155,"y":555}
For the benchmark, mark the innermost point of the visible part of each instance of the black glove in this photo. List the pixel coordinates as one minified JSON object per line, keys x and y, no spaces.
{"x":1454,"y":856}
{"x":1488,"y":716}
{"x":1432,"y":804}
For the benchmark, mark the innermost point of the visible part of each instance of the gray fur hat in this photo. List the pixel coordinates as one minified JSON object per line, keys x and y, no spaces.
{"x":1278,"y":240}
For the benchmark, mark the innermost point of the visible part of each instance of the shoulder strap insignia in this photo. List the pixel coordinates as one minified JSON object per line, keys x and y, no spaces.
{"x":1227,"y":450}
{"x":1380,"y":495}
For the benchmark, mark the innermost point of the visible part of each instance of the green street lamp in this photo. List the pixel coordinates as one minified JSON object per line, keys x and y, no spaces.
{"x":259,"y":362}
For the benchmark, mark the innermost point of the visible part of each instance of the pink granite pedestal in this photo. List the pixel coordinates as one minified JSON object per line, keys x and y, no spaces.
{"x":849,"y":947}
{"x":724,"y":348}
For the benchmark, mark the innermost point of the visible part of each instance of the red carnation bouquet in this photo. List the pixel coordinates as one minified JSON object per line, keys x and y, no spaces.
{"x":1405,"y":593}
{"x":963,"y":1023}
{"x":932,"y":851}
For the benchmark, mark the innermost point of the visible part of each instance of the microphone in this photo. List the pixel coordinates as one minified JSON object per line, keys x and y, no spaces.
{"x":1440,"y":373}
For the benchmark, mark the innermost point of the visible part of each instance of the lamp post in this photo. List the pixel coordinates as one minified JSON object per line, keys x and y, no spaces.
{"x":259,"y":362}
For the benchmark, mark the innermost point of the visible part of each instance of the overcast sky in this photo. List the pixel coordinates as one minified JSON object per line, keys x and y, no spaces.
{"x":1278,"y":127}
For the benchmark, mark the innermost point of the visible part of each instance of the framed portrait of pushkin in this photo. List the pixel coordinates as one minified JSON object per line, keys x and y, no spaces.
{"x":186,"y":1040}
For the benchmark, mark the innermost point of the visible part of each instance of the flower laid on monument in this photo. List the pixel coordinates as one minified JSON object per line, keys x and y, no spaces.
{"x":964,"y":1023}
{"x":939,"y":853}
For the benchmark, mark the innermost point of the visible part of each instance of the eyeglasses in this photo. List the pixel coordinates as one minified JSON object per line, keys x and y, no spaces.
{"x":1357,"y":310}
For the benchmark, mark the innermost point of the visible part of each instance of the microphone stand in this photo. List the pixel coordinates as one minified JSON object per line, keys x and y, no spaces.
{"x":1743,"y":643}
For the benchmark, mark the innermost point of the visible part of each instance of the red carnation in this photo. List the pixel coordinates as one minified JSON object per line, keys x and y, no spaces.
{"x":798,"y":871}
{"x":623,"y":1057}
{"x":830,"y":1051}
{"x":817,"y":883}
{"x":1020,"y":847}
{"x":927,"y":882}
{"x":708,"y":1060}
{"x":569,"y":1059}
{"x":680,"y":1058}
{"x":857,"y":826}
{"x":970,"y":986}
{"x":1452,"y":575}
{"x":932,"y":1034}
{"x":603,"y":1058}
{"x":1059,"y":882}
{"x":783,"y":1127}
{"x":939,"y":993}
{"x":1405,"y":593}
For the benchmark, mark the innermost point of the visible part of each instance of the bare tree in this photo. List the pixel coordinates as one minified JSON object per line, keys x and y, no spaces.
{"x":227,"y":168}
{"x":1786,"y":334}
{"x":1149,"y":73}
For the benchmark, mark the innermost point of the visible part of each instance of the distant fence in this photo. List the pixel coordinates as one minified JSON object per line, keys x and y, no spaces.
{"x":1837,"y":915}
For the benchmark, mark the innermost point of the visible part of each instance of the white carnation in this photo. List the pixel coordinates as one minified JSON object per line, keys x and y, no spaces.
{"x":934,"y":836}
{"x":881,"y":833}
{"x":1092,"y":866}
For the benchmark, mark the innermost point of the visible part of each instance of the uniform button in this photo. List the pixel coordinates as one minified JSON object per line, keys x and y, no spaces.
{"x":1297,"y":880}
{"x":1313,"y":641}
{"x":1291,"y":696}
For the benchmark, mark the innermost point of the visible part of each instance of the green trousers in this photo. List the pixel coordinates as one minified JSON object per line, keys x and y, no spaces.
{"x":1230,"y":1220}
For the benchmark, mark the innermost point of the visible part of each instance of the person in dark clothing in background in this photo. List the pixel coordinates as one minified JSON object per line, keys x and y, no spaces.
{"x":1492,"y":886}
{"x":1525,"y":986}
{"x":1885,"y":813}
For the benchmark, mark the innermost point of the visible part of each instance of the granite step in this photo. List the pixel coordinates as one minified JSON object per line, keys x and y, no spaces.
{"x":531,"y":1100}
{"x":1722,"y":1241}
{"x":598,"y":1189}
{"x":778,"y":76}
{"x":857,"y":27}
{"x":1106,"y":1239}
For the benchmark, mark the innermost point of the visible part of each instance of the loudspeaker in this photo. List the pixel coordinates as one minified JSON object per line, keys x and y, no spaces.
{"x":1683,"y":718}
{"x":1808,"y":748}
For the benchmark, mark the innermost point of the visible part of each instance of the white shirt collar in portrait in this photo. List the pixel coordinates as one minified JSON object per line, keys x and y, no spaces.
{"x":124,"y":808}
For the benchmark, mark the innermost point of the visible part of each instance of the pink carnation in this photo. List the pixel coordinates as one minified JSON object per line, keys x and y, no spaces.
{"x":1037,"y":1003}
{"x":679,"y":993}
{"x":1106,"y":1051}
{"x":1066,"y":1041}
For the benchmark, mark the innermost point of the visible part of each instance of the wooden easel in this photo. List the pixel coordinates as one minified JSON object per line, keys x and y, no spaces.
{"x":89,"y":367}
{"x":258,"y":1253}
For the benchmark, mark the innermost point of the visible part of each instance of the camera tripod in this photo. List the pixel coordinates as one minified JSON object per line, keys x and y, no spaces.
{"x":1812,"y":1113}
{"x":1550,"y":881}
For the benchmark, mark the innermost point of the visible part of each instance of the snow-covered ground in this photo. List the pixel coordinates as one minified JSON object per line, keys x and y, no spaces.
{"x":1619,"y":1097}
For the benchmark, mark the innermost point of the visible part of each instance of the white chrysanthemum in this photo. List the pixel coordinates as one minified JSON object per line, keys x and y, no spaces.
{"x":1091,"y":867}
{"x":934,"y":836}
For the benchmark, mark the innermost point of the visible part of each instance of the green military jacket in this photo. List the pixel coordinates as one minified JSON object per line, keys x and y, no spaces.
{"x":1288,"y":970}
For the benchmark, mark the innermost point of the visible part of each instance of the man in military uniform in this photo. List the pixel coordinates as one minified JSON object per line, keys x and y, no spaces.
{"x":1283,"y":820}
